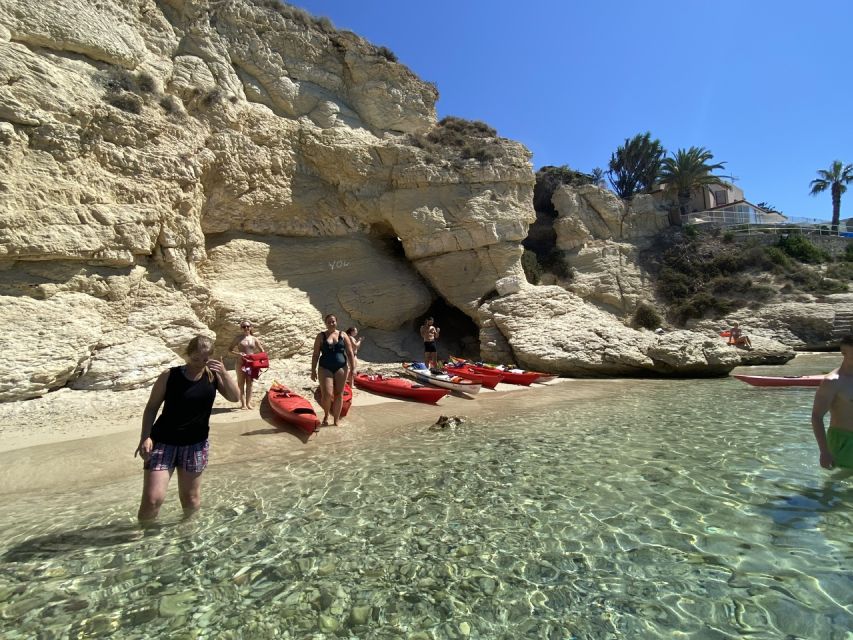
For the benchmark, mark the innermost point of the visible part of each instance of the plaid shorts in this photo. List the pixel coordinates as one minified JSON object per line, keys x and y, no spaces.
{"x":191,"y":457}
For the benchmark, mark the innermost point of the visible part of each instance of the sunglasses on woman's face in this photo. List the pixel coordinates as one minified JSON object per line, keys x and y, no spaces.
{"x":245,"y":326}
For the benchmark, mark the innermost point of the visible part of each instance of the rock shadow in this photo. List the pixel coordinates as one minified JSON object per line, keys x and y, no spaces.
{"x":65,"y":542}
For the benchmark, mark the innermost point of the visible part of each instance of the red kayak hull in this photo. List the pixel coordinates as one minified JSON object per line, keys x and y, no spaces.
{"x":525,"y":378}
{"x":347,"y":399}
{"x":781,"y":381}
{"x":293,"y":408}
{"x":488,"y":380}
{"x":399,"y":388}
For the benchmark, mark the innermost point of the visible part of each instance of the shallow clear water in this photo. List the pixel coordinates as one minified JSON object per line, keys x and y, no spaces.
{"x":671,"y":509}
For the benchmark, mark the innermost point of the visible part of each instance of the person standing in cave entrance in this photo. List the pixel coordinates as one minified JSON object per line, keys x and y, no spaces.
{"x":429,"y":333}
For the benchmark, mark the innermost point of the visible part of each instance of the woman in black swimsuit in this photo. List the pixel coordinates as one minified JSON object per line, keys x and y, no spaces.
{"x":332,"y":352}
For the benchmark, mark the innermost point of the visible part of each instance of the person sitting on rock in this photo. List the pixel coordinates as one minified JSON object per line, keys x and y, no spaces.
{"x":738,"y":338}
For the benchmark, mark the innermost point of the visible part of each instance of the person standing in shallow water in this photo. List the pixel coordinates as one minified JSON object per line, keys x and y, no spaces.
{"x":178,"y":438}
{"x":245,"y":344}
{"x":429,"y":333}
{"x":835,"y":395}
{"x":332,"y":352}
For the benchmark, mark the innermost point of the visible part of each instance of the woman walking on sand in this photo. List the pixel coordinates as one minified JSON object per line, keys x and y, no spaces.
{"x":332,"y":352}
{"x":245,"y":344}
{"x":179,"y":436}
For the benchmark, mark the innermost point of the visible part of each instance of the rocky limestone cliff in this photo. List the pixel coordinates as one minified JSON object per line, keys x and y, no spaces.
{"x":170,"y":167}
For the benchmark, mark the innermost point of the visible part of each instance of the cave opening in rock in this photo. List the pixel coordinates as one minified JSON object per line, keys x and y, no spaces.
{"x":382,"y":233}
{"x":460,"y":336}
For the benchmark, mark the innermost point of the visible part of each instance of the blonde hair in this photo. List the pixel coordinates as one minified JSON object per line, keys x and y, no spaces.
{"x":198,"y":344}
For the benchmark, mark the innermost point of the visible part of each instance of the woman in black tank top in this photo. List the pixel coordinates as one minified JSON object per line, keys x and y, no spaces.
{"x":179,"y":436}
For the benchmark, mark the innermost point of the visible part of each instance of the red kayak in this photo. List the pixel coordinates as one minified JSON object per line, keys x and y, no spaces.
{"x":781,"y":381}
{"x":347,"y":399}
{"x":293,"y":408}
{"x":399,"y":388}
{"x":525,"y":378}
{"x":508,"y":374}
{"x":489,"y":380}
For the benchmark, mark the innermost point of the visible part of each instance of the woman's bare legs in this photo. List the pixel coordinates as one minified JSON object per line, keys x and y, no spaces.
{"x":338,"y":403}
{"x":327,"y":387}
{"x":249,"y":382}
{"x":154,"y":486}
{"x":189,"y":490}
{"x":241,"y":383}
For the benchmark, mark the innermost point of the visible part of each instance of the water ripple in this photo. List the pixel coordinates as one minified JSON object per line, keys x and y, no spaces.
{"x":647,"y":517}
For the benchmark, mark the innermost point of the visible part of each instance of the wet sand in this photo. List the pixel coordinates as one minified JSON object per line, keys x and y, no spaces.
{"x":88,"y":438}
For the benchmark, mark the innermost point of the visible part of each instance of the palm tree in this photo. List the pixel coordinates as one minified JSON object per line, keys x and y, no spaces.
{"x":836,"y":180}
{"x":686,"y":170}
{"x":635,"y":165}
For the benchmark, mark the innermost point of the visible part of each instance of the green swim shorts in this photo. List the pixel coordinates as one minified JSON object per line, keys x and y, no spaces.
{"x":840,"y":444}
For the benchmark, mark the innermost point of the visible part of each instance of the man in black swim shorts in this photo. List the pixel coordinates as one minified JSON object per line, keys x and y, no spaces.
{"x":429,"y":333}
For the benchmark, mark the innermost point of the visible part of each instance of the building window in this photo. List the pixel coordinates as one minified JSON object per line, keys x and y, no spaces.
{"x":720,"y":198}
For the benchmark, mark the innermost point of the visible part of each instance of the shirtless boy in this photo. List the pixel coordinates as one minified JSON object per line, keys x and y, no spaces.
{"x":835,"y":395}
{"x":429,"y":333}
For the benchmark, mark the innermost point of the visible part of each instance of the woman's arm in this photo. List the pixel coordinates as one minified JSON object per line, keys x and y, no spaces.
{"x":350,"y":358}
{"x":260,"y":345}
{"x":356,"y":343}
{"x":226,"y":385}
{"x":155,"y":399}
{"x":315,"y":357}
{"x":233,"y":348}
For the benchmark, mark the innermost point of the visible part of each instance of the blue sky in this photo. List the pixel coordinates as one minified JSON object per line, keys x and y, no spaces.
{"x":764,"y":85}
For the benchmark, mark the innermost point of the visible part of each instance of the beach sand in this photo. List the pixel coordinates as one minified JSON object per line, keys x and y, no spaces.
{"x":73,"y":439}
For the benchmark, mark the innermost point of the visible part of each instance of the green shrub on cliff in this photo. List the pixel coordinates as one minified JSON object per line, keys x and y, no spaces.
{"x":531,"y":266}
{"x":126,"y":102}
{"x":553,"y":262}
{"x":841,"y":271}
{"x":699,"y":274}
{"x":386,"y":53}
{"x":799,"y":247}
{"x":647,"y":317}
{"x":549,"y":179}
{"x":464,"y":139}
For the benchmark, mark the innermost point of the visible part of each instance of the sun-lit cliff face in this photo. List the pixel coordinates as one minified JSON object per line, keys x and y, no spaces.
{"x":171,"y":166}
